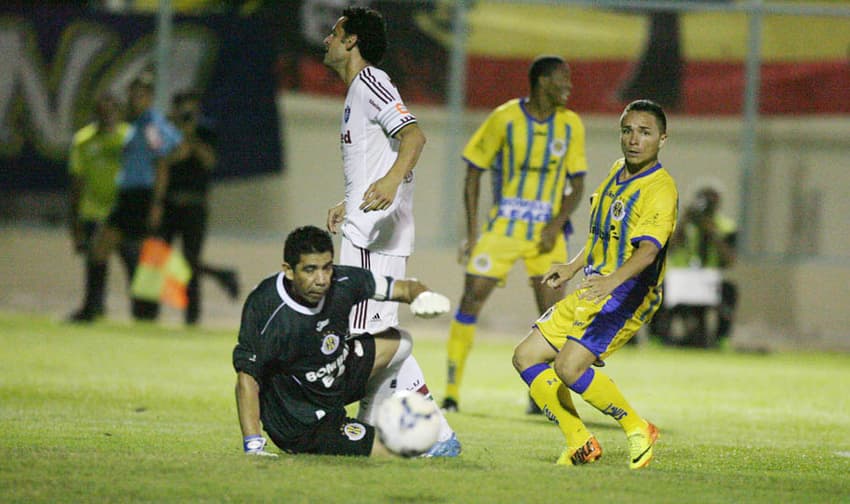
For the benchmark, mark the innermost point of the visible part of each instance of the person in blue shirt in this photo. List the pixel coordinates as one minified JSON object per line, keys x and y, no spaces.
{"x":142,"y":182}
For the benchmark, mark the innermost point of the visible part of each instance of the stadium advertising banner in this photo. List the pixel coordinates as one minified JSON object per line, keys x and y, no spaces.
{"x":693,"y":63}
{"x":54,"y":61}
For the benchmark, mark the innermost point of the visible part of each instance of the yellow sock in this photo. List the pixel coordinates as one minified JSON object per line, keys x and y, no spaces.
{"x":603,"y":394}
{"x":458,"y":347}
{"x":554,"y":399}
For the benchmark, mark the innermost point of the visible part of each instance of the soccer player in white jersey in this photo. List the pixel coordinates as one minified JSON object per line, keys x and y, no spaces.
{"x":380,"y":143}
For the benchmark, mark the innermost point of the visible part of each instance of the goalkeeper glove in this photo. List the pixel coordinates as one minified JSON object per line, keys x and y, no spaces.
{"x":255,"y":445}
{"x":430,"y":304}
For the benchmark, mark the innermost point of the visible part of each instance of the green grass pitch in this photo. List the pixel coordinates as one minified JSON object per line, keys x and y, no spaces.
{"x":117,"y":412}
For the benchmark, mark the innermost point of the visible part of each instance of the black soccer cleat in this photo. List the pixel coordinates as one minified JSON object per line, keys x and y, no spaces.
{"x":449,"y":405}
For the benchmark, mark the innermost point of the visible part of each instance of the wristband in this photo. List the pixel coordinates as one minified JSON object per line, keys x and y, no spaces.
{"x":254,"y":443}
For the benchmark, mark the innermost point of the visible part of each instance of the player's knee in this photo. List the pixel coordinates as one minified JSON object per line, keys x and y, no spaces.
{"x":523,"y":358}
{"x":405,"y":348}
{"x":567,"y":370}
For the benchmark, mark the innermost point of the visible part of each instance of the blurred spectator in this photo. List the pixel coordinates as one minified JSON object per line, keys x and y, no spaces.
{"x":705,"y":238}
{"x":93,"y":164}
{"x":187,"y":195}
{"x":137,"y":211}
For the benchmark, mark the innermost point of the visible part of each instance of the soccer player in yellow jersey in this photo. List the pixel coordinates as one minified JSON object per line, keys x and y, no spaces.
{"x":93,"y":164}
{"x":532,"y":147}
{"x":632,"y":216}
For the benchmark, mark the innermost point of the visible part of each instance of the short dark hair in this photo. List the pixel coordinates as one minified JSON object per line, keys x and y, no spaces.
{"x":543,"y":66}
{"x":306,"y":240}
{"x":371,"y":30}
{"x":651,"y":107}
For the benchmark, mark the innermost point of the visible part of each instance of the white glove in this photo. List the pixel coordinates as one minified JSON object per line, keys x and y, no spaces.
{"x":430,"y":304}
{"x":255,"y":445}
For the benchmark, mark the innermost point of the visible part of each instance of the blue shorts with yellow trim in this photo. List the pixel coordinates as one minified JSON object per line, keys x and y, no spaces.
{"x":601,"y":327}
{"x":494,"y":255}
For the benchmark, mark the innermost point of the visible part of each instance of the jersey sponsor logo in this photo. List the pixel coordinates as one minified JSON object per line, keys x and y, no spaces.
{"x":322,"y":324}
{"x":345,"y":137}
{"x":330,"y":343}
{"x":376,"y":318}
{"x":610,"y":234}
{"x":330,"y":371}
{"x":355,"y":431}
{"x":346,"y":113}
{"x":482,"y":263}
{"x":618,"y":210}
{"x":527,"y":210}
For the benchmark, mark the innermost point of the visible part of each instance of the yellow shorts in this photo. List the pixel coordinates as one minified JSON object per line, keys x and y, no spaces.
{"x":494,"y":255}
{"x":601,"y":327}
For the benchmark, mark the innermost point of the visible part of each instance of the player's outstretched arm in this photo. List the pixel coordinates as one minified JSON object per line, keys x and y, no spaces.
{"x":423,"y":302}
{"x":248,"y":409}
{"x":559,"y":274}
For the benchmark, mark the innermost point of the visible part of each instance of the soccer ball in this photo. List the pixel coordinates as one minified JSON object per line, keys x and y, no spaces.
{"x":408,"y":424}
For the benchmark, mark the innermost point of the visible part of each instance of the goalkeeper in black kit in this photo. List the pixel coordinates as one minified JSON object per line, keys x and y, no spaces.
{"x":297,"y":368}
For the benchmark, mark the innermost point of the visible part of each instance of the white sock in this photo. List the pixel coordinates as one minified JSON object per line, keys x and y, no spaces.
{"x":383,"y":384}
{"x":410,"y":377}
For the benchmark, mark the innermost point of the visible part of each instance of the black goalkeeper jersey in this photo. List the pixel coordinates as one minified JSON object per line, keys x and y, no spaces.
{"x":297,"y":353}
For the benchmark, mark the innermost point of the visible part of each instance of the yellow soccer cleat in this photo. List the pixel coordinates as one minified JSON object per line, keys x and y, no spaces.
{"x":640,"y":446}
{"x":589,"y":452}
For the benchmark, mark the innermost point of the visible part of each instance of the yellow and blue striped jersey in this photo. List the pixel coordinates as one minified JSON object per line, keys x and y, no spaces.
{"x":531,"y":161}
{"x":622,"y":214}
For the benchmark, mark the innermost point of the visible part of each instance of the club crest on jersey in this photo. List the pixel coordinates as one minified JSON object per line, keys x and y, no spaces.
{"x":346,"y":113}
{"x":558,"y":147}
{"x":330,"y":343}
{"x":482,"y":263}
{"x":618,"y":210}
{"x":354,"y":431}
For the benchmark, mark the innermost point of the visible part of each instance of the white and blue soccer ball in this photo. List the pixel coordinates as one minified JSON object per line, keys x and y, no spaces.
{"x":408,"y":423}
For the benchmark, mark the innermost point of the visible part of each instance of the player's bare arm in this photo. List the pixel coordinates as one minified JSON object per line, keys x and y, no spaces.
{"x":248,"y":404}
{"x":159,"y":188}
{"x":381,"y":194}
{"x":248,"y":409}
{"x":559,"y":274}
{"x":424,"y":302}
{"x":596,"y":288}
{"x":336,"y":215}
{"x":471,"y":192}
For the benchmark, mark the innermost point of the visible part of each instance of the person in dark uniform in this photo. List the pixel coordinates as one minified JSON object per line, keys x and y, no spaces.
{"x":296,"y":365}
{"x":186,"y":198}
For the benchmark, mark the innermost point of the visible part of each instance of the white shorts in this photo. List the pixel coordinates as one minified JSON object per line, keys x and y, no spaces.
{"x":372,"y":316}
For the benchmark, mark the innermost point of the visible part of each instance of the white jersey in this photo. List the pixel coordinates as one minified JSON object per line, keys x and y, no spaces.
{"x":373,"y":113}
